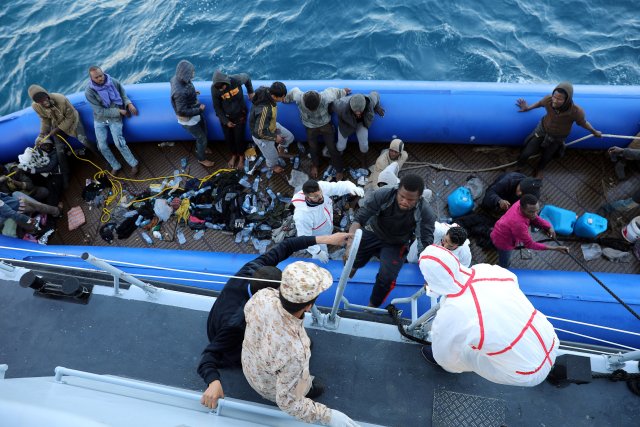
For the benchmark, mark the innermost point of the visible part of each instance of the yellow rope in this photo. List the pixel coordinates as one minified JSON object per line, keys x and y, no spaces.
{"x":116,"y":184}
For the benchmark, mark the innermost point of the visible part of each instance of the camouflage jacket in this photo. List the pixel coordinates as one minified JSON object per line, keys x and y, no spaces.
{"x":275,"y":357}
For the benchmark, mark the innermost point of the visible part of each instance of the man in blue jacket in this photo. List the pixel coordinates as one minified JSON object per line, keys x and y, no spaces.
{"x":110,"y":105}
{"x":226,"y":324}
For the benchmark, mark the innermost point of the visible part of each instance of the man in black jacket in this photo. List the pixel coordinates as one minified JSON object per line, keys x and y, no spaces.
{"x":507,"y":189}
{"x":226,"y":324}
{"x":231,"y":109}
{"x":391,"y":217}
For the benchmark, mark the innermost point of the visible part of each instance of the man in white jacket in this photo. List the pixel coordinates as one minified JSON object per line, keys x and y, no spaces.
{"x":485,"y":323}
{"x":450,"y":236}
{"x":313,"y":214}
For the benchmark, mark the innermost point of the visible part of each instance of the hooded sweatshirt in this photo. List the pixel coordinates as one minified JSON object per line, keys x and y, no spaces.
{"x":558,"y":122}
{"x":61,"y":114}
{"x":229,"y":103}
{"x":183,"y":94}
{"x":263,"y":114}
{"x":347,"y":121}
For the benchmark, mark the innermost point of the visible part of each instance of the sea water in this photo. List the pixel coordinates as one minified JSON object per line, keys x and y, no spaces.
{"x":53,"y":42}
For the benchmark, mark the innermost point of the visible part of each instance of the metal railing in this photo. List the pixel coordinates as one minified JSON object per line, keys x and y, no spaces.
{"x":119,"y":274}
{"x":223,"y":404}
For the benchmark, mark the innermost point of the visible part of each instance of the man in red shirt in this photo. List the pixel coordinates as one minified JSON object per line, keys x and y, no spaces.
{"x":512,"y":229}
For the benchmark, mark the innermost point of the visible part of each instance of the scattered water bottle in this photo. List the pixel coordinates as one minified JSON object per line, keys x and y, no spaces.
{"x":284,"y":199}
{"x":183,"y":163}
{"x":246,"y":205}
{"x":256,"y":184}
{"x":269,"y":173}
{"x":446,"y":182}
{"x":296,"y":162}
{"x":181,"y":239}
{"x":301,"y":148}
{"x":447,"y":220}
{"x":344,"y":222}
{"x":238,"y":238}
{"x":129,"y":214}
{"x":246,"y":165}
{"x":146,"y":237}
{"x":157,"y":234}
{"x":198,"y":235}
{"x":244,"y":181}
{"x":139,"y":220}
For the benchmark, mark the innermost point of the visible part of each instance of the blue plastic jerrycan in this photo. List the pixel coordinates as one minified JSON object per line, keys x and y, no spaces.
{"x":563,"y":220}
{"x":460,"y":202}
{"x":590,"y":225}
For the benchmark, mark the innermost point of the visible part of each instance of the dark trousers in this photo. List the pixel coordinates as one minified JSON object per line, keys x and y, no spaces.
{"x":235,"y":137}
{"x":391,"y":261}
{"x":328,"y":134}
{"x":504,"y":258}
{"x":540,"y":142}
{"x":199,"y":132}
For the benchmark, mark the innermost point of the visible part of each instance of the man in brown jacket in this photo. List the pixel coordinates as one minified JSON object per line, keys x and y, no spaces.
{"x":549,"y":136}
{"x":58,"y":117}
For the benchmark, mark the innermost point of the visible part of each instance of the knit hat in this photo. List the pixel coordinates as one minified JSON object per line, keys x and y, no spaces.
{"x":357,"y":103}
{"x":396,"y":145}
{"x":531,"y":186}
{"x":303,"y":281}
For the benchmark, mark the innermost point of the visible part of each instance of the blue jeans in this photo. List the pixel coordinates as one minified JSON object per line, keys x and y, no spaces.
{"x":115,"y":126}
{"x":199,"y":132}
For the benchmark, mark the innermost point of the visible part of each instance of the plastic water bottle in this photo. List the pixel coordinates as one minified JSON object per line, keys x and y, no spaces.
{"x":246,"y":205}
{"x":256,"y":184}
{"x":447,"y":220}
{"x":344,"y":222}
{"x":146,"y":237}
{"x":139,"y":220}
{"x":246,"y":165}
{"x":181,"y":239}
{"x":183,"y":163}
{"x":244,"y":181}
{"x":296,"y":162}
{"x":129,"y":214}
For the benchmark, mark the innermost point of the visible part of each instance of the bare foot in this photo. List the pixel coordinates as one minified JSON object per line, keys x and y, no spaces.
{"x":206,"y":163}
{"x":232,"y":162}
{"x":314,"y":172}
{"x":339,"y":176}
{"x":278,"y":169}
{"x":240,"y":164}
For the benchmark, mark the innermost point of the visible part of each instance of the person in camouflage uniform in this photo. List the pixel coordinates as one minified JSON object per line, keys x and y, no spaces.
{"x":276,"y":349}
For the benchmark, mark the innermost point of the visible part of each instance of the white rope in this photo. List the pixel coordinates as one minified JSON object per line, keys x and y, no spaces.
{"x":594,"y":326}
{"x":40,"y":252}
{"x":596,"y":339}
{"x":587,"y":350}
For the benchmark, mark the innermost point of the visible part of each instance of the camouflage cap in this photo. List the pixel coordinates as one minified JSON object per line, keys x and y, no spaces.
{"x":303,"y":281}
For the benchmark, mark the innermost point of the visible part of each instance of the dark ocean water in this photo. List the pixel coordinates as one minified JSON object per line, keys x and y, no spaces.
{"x":52,"y":43}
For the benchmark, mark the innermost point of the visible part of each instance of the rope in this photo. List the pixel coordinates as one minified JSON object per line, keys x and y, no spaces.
{"x":116,"y":183}
{"x":395,"y":316}
{"x":439,"y":166}
{"x":632,"y":380}
{"x":577,"y":261}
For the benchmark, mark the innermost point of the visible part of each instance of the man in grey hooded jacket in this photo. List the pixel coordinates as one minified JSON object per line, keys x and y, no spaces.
{"x":184,"y":99}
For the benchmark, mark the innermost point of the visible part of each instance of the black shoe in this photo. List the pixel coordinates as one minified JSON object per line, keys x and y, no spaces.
{"x":316,"y":389}
{"x":427,"y":353}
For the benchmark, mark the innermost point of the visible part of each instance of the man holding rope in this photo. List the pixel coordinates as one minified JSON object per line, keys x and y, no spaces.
{"x":226,"y":323}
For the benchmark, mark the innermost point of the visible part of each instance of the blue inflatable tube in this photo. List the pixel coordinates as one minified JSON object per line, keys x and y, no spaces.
{"x":418,"y":112}
{"x":572,"y":296}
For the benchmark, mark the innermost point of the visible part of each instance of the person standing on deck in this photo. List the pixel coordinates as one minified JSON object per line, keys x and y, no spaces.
{"x":270,"y":136}
{"x":355,"y":115}
{"x":485,"y":323}
{"x":313,"y":214}
{"x":110,"y":105}
{"x":59,"y":117}
{"x":226,"y":323}
{"x":231,"y":109}
{"x":512,"y":229}
{"x":276,"y":348}
{"x":184,"y":99}
{"x":315,"y":113}
{"x":549,"y":136}
{"x":390,"y":218}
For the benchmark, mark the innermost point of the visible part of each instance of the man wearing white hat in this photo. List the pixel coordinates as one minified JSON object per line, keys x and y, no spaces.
{"x":485,"y":323}
{"x":276,"y":349}
{"x":395,"y":153}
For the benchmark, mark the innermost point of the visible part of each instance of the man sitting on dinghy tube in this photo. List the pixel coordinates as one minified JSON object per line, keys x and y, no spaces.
{"x":485,"y":323}
{"x":226,"y":323}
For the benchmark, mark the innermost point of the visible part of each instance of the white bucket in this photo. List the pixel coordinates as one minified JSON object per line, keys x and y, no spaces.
{"x":631,"y":232}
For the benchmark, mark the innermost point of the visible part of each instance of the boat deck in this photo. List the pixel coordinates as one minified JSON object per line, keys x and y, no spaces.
{"x":374,"y":381}
{"x":581,"y":181}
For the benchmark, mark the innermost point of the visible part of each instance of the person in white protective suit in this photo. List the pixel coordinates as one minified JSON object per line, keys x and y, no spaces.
{"x":313,"y":214}
{"x":485,"y":323}
{"x":450,"y":236}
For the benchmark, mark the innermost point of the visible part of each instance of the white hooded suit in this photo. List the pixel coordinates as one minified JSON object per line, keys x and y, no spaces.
{"x":485,"y":323}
